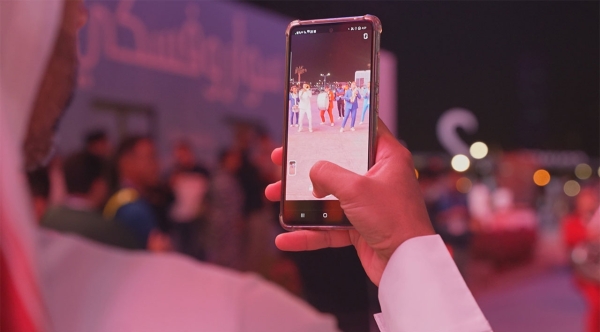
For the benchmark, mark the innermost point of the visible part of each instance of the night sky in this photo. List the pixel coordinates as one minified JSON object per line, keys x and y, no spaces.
{"x":529,"y":70}
{"x":339,"y":53}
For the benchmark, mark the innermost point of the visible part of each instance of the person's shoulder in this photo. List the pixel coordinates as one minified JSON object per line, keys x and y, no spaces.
{"x":118,"y":200}
{"x":137,"y":207}
{"x":56,"y":217}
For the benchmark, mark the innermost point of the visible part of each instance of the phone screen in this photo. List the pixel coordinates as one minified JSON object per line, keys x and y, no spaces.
{"x":329,"y":95}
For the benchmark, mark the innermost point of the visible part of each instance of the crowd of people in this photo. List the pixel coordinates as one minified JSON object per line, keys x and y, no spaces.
{"x":344,"y":95}
{"x":119,"y":197}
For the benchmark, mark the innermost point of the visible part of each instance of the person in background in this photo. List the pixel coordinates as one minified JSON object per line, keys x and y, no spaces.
{"x":39,"y":186}
{"x":185,"y":160}
{"x":98,"y":144}
{"x":188,"y":182}
{"x":581,"y":232}
{"x":262,"y":225}
{"x":452,"y":220}
{"x":351,"y":98}
{"x":339,"y":96}
{"x":138,"y":175}
{"x":305,"y":108}
{"x":225,"y":223}
{"x":366,"y":97}
{"x":323,"y":105}
{"x":293,"y":105}
{"x":87,"y":190}
{"x":331,"y":95}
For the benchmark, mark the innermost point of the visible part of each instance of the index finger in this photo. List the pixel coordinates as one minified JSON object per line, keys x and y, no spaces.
{"x":312,"y":240}
{"x":277,"y":156}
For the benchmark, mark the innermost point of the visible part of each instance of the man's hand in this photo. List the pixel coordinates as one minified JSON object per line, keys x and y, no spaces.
{"x":385,"y":206}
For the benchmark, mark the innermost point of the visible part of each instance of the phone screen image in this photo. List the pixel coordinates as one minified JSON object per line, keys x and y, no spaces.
{"x":329,"y":107}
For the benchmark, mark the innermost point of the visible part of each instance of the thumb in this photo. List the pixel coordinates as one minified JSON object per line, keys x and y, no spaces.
{"x":331,"y":179}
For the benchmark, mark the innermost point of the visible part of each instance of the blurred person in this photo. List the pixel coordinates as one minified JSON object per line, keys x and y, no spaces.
{"x":365,"y":92}
{"x":261,"y":226}
{"x":304,"y":106}
{"x":507,"y":216}
{"x":87,"y":191}
{"x":98,"y":144}
{"x":339,"y":97}
{"x":138,"y":175}
{"x":185,"y":160}
{"x":509,"y":237}
{"x":261,"y":157}
{"x":331,"y":95}
{"x":248,"y":174}
{"x":479,"y":202}
{"x":581,"y":235}
{"x":351,"y":98}
{"x":224,"y":241}
{"x":451,"y":220}
{"x":52,"y":281}
{"x":323,"y":105}
{"x":39,"y":187}
{"x":188,"y":182}
{"x":293,"y":105}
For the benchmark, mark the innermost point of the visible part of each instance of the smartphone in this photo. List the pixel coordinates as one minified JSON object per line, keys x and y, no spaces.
{"x":331,"y":106}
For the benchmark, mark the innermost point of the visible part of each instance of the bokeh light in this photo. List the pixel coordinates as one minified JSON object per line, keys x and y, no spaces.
{"x":541,"y":177}
{"x":583,"y":171}
{"x":464,"y":185}
{"x":571,"y":188}
{"x":416,"y":173}
{"x":460,"y":163}
{"x":478,"y":150}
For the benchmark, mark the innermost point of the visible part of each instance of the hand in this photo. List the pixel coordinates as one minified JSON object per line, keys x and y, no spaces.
{"x":385,"y":206}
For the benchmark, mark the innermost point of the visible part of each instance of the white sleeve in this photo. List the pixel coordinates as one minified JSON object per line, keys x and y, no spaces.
{"x":422,"y":290}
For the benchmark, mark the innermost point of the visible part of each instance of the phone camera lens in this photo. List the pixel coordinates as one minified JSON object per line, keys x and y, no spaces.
{"x":330,"y":29}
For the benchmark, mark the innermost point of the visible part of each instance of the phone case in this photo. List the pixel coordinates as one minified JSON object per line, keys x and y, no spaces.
{"x":377,"y":29}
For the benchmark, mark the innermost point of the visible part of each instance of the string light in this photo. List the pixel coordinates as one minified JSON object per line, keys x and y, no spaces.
{"x":478,"y":150}
{"x":460,"y":163}
{"x":571,"y":188}
{"x":583,"y":171}
{"x":541,"y":177}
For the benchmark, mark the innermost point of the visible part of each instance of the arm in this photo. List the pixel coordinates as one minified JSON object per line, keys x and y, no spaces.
{"x":421,"y":280}
{"x":348,"y":95}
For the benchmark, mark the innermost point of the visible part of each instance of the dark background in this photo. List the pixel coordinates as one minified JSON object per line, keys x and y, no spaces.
{"x":339,"y":53}
{"x":528,"y":70}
